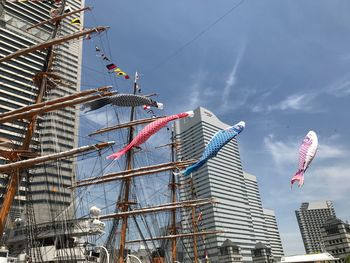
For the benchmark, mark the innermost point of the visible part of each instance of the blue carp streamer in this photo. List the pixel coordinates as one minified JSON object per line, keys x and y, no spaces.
{"x":219,"y":140}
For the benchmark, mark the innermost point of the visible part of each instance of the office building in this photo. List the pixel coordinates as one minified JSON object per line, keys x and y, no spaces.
{"x":262,"y":254}
{"x":264,"y":221}
{"x":336,"y":238}
{"x":256,"y":209}
{"x":311,"y":217}
{"x":239,"y":212}
{"x":230,"y":252}
{"x":56,"y":131}
{"x":273,"y":235}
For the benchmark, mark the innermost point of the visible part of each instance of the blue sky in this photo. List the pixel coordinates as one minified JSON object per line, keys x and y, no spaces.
{"x":281,"y":66}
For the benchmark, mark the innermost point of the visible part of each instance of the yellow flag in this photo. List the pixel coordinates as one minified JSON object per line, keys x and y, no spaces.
{"x":75,"y":21}
{"x":121,"y":73}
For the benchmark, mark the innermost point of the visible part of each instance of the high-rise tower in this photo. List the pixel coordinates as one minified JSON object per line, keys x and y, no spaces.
{"x":264,"y":220}
{"x":221,"y":178}
{"x":336,"y":238}
{"x":311,"y":217}
{"x":56,"y":131}
{"x":272,"y":234}
{"x":240,"y":212}
{"x":256,"y":209}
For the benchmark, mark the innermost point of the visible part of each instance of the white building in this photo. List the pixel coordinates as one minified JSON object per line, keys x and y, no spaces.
{"x":273,"y":235}
{"x":256,"y":209}
{"x":264,"y":220}
{"x":58,"y":130}
{"x":239,"y":212}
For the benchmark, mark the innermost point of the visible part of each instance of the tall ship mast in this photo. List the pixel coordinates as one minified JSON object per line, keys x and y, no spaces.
{"x":41,"y":149}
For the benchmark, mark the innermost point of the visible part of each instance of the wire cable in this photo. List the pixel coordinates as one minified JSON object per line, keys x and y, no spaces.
{"x":196,"y":37}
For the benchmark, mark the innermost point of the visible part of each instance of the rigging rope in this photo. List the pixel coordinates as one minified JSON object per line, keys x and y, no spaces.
{"x":196,"y":37}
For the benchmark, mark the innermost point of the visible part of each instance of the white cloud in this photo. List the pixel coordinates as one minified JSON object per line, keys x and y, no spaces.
{"x":231,"y":80}
{"x":282,"y":152}
{"x":294,"y":102}
{"x":327,"y":179}
{"x":286,"y":152}
{"x":326,"y":151}
{"x":328,"y":183}
{"x":200,"y":94}
{"x":321,"y":183}
{"x":340,"y":88}
{"x":257,"y":108}
{"x":195,"y":90}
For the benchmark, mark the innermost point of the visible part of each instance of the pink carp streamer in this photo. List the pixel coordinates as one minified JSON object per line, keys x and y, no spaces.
{"x":307,"y":152}
{"x":148,"y":131}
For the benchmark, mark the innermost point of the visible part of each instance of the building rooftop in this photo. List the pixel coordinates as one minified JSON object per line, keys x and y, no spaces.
{"x":229,"y":243}
{"x":316,"y":205}
{"x":268,"y":212}
{"x":249,"y":176}
{"x":260,"y":245}
{"x":309,"y":258}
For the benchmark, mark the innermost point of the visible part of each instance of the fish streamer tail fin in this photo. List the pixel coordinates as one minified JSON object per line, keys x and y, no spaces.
{"x":299,"y":176}
{"x":192,"y":168}
{"x":117,"y":155}
{"x":96,"y":104}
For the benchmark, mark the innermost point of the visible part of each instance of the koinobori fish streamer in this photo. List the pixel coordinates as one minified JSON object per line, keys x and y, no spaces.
{"x":307,"y":153}
{"x":122,"y":100}
{"x":218,"y":141}
{"x":148,"y":131}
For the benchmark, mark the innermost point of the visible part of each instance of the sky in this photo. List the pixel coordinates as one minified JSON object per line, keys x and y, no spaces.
{"x":281,"y":66}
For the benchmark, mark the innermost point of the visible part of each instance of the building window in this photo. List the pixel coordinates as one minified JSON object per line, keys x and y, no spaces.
{"x":224,"y":251}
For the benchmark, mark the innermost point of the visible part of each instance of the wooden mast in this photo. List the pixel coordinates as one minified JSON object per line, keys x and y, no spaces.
{"x":159,"y":208}
{"x":15,"y":175}
{"x":15,"y":178}
{"x":189,"y":235}
{"x":54,"y":101}
{"x":128,"y":174}
{"x":57,"y":18}
{"x":194,"y":224}
{"x":5,"y":168}
{"x":31,"y":112}
{"x":52,"y":42}
{"x":125,"y":125}
{"x":125,"y":204}
{"x":173,"y":187}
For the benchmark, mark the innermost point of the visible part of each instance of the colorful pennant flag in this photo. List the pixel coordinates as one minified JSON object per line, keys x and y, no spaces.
{"x":111,"y":66}
{"x":104,"y":57}
{"x":122,"y":73}
{"x":75,"y":21}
